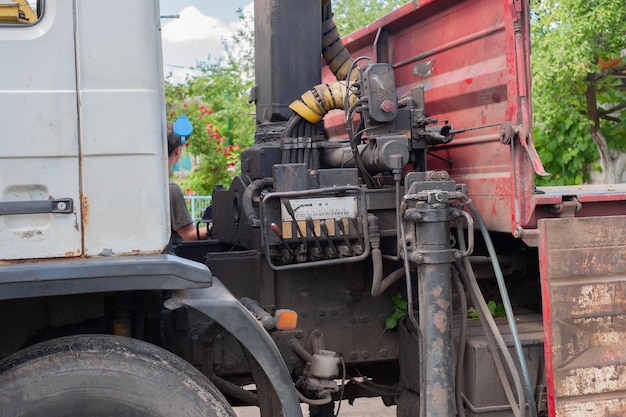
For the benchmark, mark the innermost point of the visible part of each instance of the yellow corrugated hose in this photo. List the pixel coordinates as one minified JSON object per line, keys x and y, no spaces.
{"x":319,"y":100}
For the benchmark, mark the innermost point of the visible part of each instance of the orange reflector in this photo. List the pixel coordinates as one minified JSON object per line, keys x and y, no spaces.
{"x":286,"y":319}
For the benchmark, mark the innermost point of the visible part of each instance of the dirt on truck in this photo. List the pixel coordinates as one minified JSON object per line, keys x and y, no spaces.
{"x":384,"y":238}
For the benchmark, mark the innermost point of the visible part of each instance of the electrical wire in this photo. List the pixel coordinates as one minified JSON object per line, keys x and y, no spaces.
{"x":299,"y":149}
{"x":348,"y":78}
{"x":343,"y":384}
{"x":360,"y":132}
{"x":310,"y":401}
{"x":369,"y":180}
{"x":495,"y":340}
{"x":292,"y":125}
{"x":308,"y":133}
{"x":460,"y":356}
{"x":507,"y":305}
{"x":411,"y":315}
{"x":349,"y":123}
{"x":374,"y":387}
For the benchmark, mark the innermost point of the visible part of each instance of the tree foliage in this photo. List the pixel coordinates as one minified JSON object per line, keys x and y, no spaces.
{"x":216,"y":100}
{"x":216,"y":103}
{"x":352,"y":14}
{"x":572,"y":92}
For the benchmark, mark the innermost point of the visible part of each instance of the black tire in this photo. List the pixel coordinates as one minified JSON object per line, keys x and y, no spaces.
{"x":102,"y":375}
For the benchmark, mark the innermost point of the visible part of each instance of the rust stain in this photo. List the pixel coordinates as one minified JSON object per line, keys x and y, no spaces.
{"x":74,"y":254}
{"x":437,"y":291}
{"x":591,"y":296}
{"x":439,"y":397}
{"x":85,"y":209}
{"x":441,"y":321}
{"x":593,"y":380}
{"x":614,"y":407}
{"x":443,"y":303}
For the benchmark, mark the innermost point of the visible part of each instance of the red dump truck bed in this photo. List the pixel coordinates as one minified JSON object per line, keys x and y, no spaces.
{"x":473,"y":60}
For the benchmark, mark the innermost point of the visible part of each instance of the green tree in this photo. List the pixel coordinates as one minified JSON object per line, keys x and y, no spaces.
{"x":216,"y":103}
{"x":578,"y":105}
{"x":352,"y":14}
{"x":216,"y":100}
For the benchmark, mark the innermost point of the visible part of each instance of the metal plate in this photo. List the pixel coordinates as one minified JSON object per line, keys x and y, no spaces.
{"x":583,"y":274}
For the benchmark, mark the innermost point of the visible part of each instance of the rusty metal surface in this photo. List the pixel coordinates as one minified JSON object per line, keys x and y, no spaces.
{"x":583,"y":272}
{"x":471,"y":57}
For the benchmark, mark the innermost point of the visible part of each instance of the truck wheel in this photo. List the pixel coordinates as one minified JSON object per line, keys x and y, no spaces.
{"x":102,"y":375}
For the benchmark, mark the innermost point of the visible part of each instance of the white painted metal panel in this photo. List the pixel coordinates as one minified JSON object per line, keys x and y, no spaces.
{"x":121,"y":99}
{"x":39,"y":135}
{"x":82,"y":115}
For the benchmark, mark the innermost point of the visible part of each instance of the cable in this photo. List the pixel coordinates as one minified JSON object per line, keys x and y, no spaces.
{"x":369,"y":180}
{"x":360,"y":132}
{"x":246,"y":201}
{"x":310,"y":401}
{"x":343,"y":384}
{"x":494,"y":339}
{"x":374,"y":387}
{"x":292,"y":124}
{"x":507,"y":305}
{"x":348,"y":79}
{"x":409,"y":299}
{"x":461,"y":349}
{"x":298,"y":144}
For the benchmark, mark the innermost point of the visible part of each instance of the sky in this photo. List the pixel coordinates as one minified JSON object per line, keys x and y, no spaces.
{"x":197,"y":34}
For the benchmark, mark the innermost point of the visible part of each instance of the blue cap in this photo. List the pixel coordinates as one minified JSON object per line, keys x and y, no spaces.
{"x":183,"y":127}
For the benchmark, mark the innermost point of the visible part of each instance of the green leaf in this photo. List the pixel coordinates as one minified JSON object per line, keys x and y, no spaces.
{"x":399,"y":302}
{"x":496,"y":310}
{"x":499,"y":311}
{"x":391,"y":322}
{"x":400,"y":310}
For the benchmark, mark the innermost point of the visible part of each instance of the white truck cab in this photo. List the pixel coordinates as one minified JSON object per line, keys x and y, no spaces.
{"x":84,"y":222}
{"x":83,"y":170}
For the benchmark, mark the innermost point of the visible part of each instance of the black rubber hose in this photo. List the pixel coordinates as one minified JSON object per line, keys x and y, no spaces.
{"x":248,"y":194}
{"x":292,"y":124}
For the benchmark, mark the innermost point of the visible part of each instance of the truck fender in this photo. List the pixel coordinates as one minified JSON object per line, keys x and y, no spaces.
{"x":217,"y":303}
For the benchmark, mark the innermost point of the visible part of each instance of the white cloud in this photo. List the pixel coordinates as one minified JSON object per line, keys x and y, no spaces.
{"x":191,"y":38}
{"x":192,"y":25}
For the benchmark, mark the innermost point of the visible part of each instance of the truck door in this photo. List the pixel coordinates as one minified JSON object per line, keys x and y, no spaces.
{"x":82,"y":165}
{"x":39,"y":163}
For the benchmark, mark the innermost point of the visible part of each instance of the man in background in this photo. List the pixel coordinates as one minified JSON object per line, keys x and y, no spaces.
{"x":183,"y":228}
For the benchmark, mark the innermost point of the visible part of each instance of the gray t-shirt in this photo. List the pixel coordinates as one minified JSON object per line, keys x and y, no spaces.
{"x":179,"y":214}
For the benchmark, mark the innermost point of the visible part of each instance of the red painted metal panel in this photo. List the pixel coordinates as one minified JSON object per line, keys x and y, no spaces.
{"x":590,"y":200}
{"x":472,"y":59}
